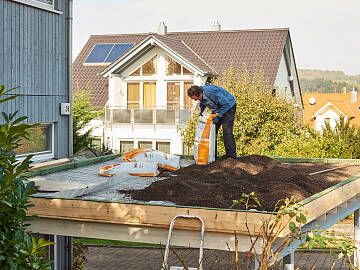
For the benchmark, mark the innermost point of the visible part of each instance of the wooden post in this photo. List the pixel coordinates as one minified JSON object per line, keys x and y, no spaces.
{"x":357,"y":239}
{"x":289,"y":261}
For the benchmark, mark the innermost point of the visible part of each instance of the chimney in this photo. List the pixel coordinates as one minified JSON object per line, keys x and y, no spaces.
{"x":162,"y":29}
{"x":354,"y":95}
{"x":216,"y":26}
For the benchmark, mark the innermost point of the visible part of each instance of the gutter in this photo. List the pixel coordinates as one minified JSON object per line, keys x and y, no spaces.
{"x":69,"y":26}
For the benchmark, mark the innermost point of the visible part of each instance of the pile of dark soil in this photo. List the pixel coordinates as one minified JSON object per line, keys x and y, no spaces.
{"x":219,"y":183}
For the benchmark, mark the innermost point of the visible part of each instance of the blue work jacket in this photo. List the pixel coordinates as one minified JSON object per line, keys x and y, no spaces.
{"x":217,"y":99}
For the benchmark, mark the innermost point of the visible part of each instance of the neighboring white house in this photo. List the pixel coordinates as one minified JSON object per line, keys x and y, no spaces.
{"x":320,"y":108}
{"x":142,"y":79}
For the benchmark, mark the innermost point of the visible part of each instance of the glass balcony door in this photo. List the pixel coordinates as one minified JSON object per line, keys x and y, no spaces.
{"x":149,"y":95}
{"x":133,"y":95}
{"x":188,"y":102}
{"x":173,"y":95}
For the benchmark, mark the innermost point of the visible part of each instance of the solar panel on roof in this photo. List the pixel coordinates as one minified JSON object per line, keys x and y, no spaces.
{"x":117,"y":51}
{"x":99,"y":53}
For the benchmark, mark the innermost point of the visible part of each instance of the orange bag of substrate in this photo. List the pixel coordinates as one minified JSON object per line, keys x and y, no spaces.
{"x":205,"y":136}
{"x":132,"y":153}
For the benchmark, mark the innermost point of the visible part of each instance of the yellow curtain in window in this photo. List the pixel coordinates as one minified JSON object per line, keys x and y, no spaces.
{"x":149,"y":95}
{"x":133,"y":95}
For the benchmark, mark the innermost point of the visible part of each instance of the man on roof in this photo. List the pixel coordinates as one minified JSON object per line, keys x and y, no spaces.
{"x":219,"y":101}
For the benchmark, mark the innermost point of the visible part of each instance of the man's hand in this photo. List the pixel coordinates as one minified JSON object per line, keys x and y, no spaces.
{"x":216,"y":119}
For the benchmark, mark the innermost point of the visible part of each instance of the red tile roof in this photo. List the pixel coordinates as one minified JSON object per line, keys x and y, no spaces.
{"x":211,"y":51}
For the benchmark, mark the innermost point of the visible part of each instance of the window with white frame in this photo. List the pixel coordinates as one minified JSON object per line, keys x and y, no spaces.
{"x":146,"y":90}
{"x":149,"y":95}
{"x":173,"y":95}
{"x":163,"y":147}
{"x":49,"y":2}
{"x":145,"y":144}
{"x":40,"y":141}
{"x":142,"y":90}
{"x":48,"y":5}
{"x":174,"y":68}
{"x":126,"y":146}
{"x":188,"y":102}
{"x":133,"y":95}
{"x":148,"y":69}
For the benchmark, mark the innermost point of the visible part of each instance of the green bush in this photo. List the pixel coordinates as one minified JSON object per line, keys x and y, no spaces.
{"x":18,"y":249}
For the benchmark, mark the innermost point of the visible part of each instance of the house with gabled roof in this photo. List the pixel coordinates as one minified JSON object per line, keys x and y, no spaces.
{"x":142,"y":79}
{"x":320,"y":108}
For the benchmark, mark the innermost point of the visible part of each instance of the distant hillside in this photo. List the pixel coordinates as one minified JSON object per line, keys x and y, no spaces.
{"x":326,"y":81}
{"x":332,"y":75}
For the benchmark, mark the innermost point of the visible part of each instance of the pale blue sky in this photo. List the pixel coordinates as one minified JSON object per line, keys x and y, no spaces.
{"x":325,"y":33}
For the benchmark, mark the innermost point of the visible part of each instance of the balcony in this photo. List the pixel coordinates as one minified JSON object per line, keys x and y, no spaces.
{"x":155,"y":116}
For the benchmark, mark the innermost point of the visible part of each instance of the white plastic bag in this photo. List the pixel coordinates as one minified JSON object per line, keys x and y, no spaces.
{"x":205,"y":136}
{"x":167,"y":161}
{"x":145,"y":169}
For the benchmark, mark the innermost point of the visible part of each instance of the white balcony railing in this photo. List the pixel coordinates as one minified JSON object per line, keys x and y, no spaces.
{"x":156,"y":116}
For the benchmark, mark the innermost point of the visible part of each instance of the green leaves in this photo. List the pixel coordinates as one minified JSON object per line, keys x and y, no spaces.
{"x":246,"y":200}
{"x":3,"y":92}
{"x":83,"y":113}
{"x":17,"y":251}
{"x":292,"y":226}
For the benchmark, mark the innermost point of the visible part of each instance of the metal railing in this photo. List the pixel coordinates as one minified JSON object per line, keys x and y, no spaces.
{"x":148,"y":115}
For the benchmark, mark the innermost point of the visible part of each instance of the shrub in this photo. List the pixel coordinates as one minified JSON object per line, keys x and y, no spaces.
{"x":18,"y":249}
{"x":83,"y":113}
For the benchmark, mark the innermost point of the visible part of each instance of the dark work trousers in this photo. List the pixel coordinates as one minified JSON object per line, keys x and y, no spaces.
{"x":227,"y":122}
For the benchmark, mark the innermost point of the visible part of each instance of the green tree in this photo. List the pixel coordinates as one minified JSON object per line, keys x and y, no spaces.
{"x":262,"y":119}
{"x":18,"y":249}
{"x":83,"y":113}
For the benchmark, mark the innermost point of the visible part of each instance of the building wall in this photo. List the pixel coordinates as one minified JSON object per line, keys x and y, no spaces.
{"x":293,"y":71}
{"x":281,"y":82}
{"x":287,"y":68}
{"x":34,"y":49}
